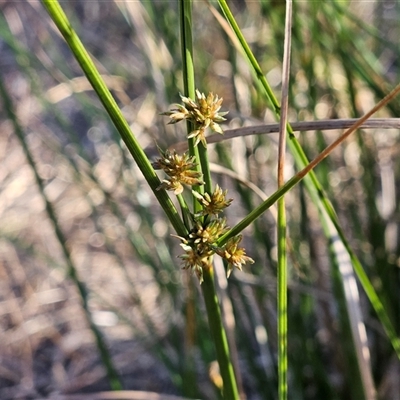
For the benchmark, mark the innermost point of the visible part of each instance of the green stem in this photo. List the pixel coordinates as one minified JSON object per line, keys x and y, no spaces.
{"x":200,"y":152}
{"x":230,"y":390}
{"x":205,"y":167}
{"x":60,"y":19}
{"x":282,"y":301}
{"x":185,"y":14}
{"x":189,"y":86}
{"x":281,"y":228}
{"x":253,"y":215}
{"x":185,"y":211}
{"x":71,"y":268}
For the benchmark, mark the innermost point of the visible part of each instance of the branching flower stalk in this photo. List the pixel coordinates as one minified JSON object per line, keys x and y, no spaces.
{"x":201,"y":243}
{"x":197,"y":123}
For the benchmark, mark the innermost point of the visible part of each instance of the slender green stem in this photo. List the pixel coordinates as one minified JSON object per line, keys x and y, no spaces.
{"x":189,"y":86}
{"x":249,"y":54}
{"x":185,"y":211}
{"x":230,"y":390}
{"x":71,"y":268}
{"x":205,"y":167}
{"x":60,"y":19}
{"x":200,"y":152}
{"x":185,"y":14}
{"x":282,"y":302}
{"x":281,"y":226}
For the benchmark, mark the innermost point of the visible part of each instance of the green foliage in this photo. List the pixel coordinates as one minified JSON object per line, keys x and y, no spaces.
{"x":341,"y":218}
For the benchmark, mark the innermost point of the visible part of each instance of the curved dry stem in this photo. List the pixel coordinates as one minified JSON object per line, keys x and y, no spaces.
{"x":301,"y":126}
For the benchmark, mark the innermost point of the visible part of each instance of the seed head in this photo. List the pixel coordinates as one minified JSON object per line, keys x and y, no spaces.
{"x":213,"y":204}
{"x":202,"y":112}
{"x":234,"y":255}
{"x":199,"y":245}
{"x":194,"y":260}
{"x":203,"y":237}
{"x":180,"y":168}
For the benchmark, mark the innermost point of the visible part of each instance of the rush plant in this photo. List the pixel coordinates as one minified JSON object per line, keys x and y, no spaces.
{"x":197,"y":208}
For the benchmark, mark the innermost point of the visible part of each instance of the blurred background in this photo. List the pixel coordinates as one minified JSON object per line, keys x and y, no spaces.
{"x":103,"y":222}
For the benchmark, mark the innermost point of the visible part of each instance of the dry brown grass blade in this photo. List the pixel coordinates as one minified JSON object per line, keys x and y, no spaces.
{"x":285,"y":94}
{"x":357,"y":125}
{"x":219,"y":169}
{"x":302,"y":126}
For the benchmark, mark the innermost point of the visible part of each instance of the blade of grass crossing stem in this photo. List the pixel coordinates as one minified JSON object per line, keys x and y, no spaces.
{"x":230,"y":389}
{"x":281,"y":225}
{"x":71,"y":269}
{"x":60,"y":19}
{"x":302,"y":161}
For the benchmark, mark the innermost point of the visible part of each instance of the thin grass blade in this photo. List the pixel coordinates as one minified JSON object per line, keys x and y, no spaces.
{"x":281,"y":223}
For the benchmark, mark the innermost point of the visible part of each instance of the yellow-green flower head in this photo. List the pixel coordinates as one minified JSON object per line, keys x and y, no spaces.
{"x":194,"y":261}
{"x":177,"y":114}
{"x":199,"y":245}
{"x":171,"y":184}
{"x":202,"y":112}
{"x":204,"y":236}
{"x":234,"y":255}
{"x":213,"y":204}
{"x":180,"y":168}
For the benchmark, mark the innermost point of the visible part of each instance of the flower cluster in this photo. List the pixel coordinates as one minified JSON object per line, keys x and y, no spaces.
{"x":206,"y":228}
{"x":203,"y":236}
{"x":234,"y":255}
{"x":213,"y":204}
{"x":202,"y":112}
{"x":180,"y":169}
{"x":199,"y":245}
